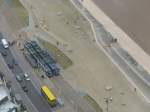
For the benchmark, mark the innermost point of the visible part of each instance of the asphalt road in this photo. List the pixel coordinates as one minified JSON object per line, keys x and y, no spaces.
{"x":33,"y":94}
{"x":132,"y":16}
{"x":15,"y":86}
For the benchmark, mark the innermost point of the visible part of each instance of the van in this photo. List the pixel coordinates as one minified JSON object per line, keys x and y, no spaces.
{"x":5,"y":43}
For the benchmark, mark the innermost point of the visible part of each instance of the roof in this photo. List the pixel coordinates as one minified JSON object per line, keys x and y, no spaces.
{"x":3,"y":92}
{"x":48,"y":92}
{"x":8,"y":107}
{"x":5,"y":104}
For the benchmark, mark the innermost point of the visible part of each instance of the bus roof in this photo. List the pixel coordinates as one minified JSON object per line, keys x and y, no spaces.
{"x":48,"y":92}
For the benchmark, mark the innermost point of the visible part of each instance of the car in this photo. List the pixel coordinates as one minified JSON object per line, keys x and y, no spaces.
{"x":26,"y":76}
{"x":25,"y":89}
{"x":10,"y":65}
{"x":5,"y":43}
{"x":19,"y":78}
{"x":4,"y":53}
{"x":14,"y":62}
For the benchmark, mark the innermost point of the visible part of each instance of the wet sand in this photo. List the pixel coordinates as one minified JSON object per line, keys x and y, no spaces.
{"x":132,"y":16}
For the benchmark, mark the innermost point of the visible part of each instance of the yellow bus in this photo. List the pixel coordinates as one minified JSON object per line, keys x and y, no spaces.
{"x":48,"y":95}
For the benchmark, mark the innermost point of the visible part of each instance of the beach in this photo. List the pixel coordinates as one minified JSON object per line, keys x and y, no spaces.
{"x":128,"y":24}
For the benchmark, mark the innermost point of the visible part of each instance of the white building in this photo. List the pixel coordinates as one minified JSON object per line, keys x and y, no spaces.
{"x":6,"y":105}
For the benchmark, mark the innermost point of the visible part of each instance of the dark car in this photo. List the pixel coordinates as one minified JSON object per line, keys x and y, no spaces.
{"x":25,"y":89}
{"x":10,"y":66}
{"x":4,"y":53}
{"x":15,"y":62}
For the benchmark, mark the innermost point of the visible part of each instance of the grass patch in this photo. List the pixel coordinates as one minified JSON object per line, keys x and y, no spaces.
{"x":21,"y":12}
{"x":61,"y":58}
{"x":93,"y":103}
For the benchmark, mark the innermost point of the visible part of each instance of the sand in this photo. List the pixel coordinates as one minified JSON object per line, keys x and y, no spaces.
{"x":124,"y":40}
{"x":132,"y":16}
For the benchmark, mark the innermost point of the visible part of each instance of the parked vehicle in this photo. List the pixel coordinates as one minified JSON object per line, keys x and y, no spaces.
{"x":5,"y":43}
{"x":25,"y":89}
{"x":26,"y":76}
{"x":19,"y":78}
{"x":4,"y":53}
{"x":10,"y":65}
{"x":48,"y":95}
{"x":14,"y":62}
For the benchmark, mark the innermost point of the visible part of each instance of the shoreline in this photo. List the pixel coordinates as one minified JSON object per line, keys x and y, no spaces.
{"x":123,"y":39}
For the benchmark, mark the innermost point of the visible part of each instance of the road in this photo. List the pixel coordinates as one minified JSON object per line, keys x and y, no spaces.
{"x":16,"y":89}
{"x":33,"y":94}
{"x":130,"y":15}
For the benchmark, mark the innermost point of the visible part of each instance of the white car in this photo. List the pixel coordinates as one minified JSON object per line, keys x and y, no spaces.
{"x":26,"y":76}
{"x":5,"y":43}
{"x":18,"y":77}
